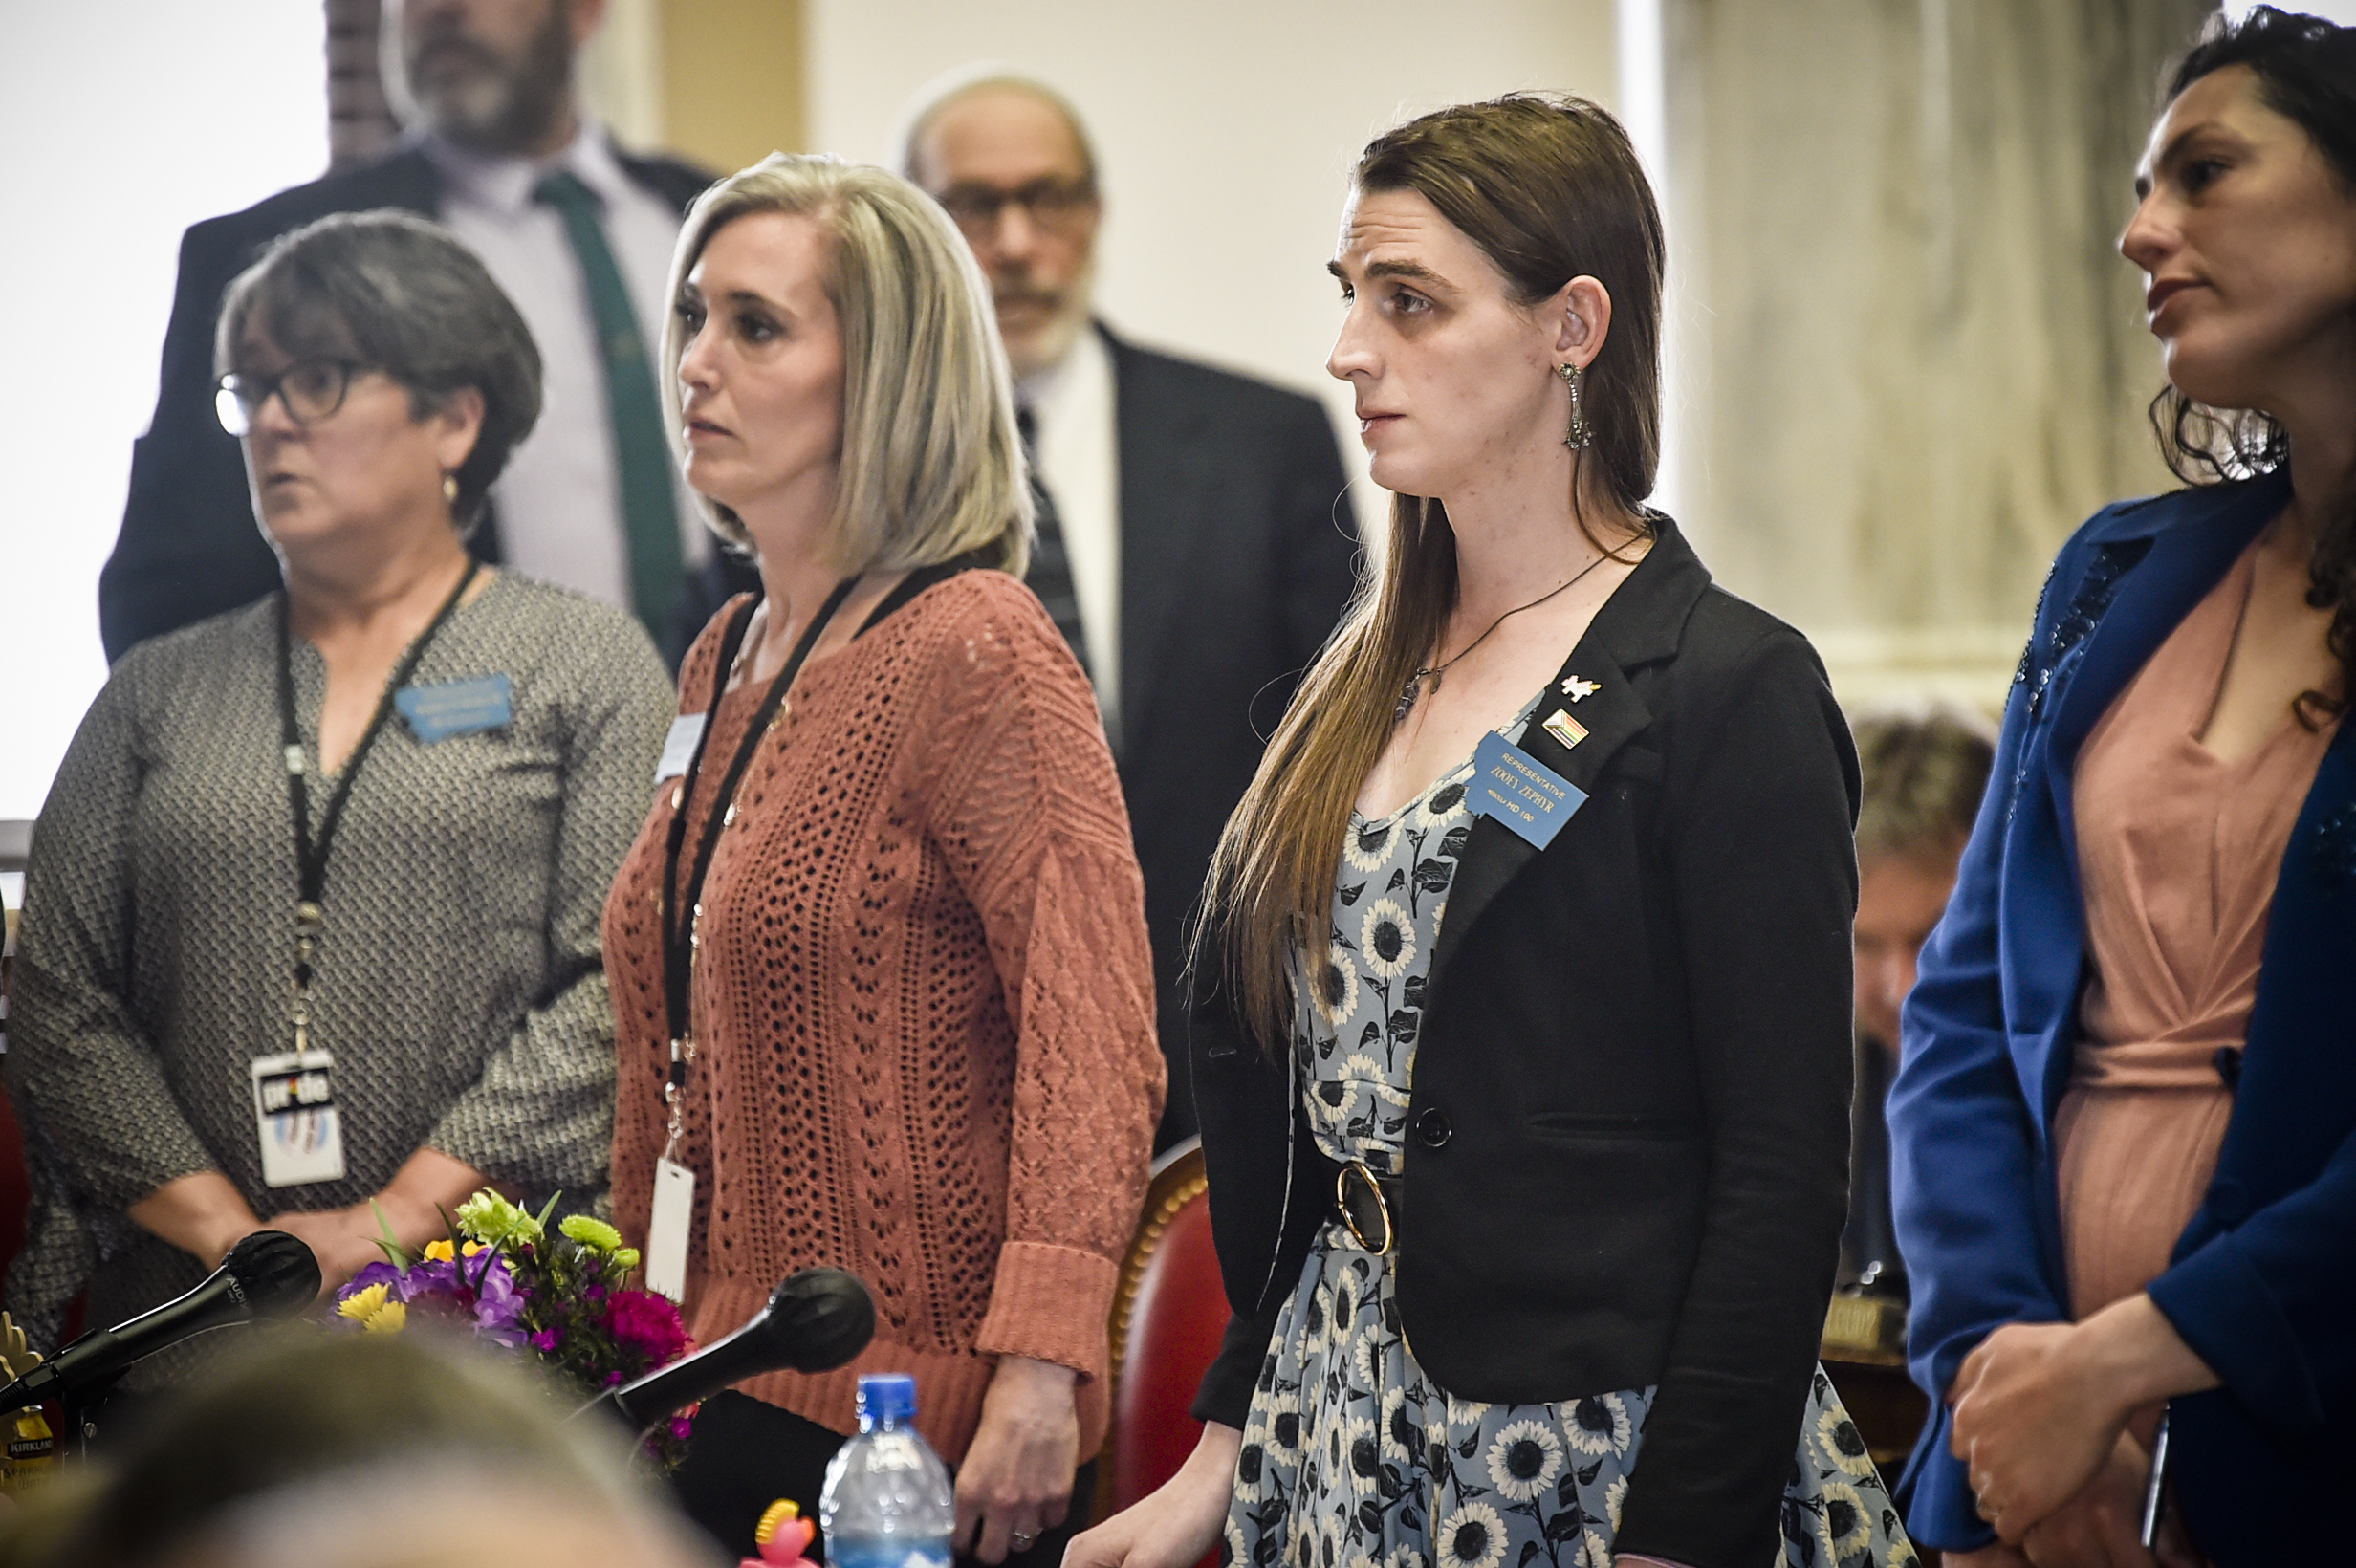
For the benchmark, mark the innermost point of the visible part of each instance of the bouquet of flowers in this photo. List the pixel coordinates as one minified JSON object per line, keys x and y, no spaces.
{"x":502,"y":1275}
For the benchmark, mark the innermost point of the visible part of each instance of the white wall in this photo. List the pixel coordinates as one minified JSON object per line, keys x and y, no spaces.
{"x":122,"y":121}
{"x":1226,"y":129}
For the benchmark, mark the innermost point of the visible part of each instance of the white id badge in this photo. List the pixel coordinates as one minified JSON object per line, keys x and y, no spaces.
{"x":666,"y":1230}
{"x":679,"y":746}
{"x":294,"y":1113}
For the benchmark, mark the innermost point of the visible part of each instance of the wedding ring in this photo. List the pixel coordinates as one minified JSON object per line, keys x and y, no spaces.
{"x":1019,"y":1541}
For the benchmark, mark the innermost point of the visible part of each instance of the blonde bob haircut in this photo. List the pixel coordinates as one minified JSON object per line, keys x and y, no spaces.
{"x":931,"y":466}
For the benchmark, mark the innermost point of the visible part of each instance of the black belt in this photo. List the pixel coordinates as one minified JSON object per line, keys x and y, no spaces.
{"x":1367,"y":1203}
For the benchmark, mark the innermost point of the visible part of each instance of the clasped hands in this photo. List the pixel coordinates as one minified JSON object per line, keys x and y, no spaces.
{"x":2040,"y":1418}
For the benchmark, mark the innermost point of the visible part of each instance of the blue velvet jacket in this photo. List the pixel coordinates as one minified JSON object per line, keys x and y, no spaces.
{"x":2262,"y":1283}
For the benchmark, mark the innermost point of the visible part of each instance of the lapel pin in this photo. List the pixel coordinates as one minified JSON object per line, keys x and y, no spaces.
{"x":1566,"y":729}
{"x":1579,"y":691}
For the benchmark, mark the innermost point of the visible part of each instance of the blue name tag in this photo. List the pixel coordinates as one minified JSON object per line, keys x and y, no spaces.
{"x":1519,"y":790}
{"x":455,"y":707}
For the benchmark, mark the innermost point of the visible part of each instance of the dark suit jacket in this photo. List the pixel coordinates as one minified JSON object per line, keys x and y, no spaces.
{"x":190,"y":547}
{"x":1627,"y":1140}
{"x":2262,"y":1282}
{"x":1238,"y":550}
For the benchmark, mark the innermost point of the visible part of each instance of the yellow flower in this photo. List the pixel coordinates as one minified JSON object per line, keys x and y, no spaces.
{"x":373,"y":1311}
{"x":593,"y":1233}
{"x":437,"y":1252}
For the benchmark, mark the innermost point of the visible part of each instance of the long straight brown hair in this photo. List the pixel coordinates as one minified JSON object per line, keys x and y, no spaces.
{"x":1549,"y":188}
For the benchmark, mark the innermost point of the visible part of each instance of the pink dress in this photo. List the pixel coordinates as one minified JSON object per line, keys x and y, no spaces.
{"x":2177,"y":852}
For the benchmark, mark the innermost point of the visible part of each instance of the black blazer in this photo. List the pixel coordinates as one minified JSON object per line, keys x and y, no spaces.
{"x":1238,"y":550}
{"x":189,"y":547}
{"x":1628,"y":1132}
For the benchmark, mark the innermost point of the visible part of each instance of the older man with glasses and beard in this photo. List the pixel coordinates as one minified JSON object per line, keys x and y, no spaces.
{"x":576,"y":232}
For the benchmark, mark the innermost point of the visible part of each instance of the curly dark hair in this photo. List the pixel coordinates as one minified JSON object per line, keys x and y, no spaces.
{"x":2306,"y":72}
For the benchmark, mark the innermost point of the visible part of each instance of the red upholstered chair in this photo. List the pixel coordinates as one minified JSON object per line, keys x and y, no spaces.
{"x":1167,"y":1317}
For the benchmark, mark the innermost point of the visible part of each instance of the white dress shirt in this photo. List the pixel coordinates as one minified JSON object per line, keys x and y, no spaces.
{"x":560,"y":502}
{"x":1080,"y":463}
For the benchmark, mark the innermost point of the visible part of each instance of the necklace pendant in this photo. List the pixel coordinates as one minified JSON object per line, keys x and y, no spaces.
{"x":1407,"y":694}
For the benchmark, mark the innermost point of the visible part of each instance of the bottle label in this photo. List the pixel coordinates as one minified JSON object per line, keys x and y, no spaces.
{"x":886,"y":1551}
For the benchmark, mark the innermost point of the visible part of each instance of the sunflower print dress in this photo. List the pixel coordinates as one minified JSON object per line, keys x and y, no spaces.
{"x":1352,"y":1457}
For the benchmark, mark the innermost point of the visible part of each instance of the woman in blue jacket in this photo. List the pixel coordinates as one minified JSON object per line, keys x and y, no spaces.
{"x":2124,"y":1127}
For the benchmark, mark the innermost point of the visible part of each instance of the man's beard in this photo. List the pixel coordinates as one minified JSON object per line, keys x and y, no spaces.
{"x":1054,"y":339}
{"x":496,"y":105}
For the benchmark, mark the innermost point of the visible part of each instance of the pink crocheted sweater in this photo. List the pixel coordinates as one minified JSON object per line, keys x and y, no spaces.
{"x":923,"y":1007}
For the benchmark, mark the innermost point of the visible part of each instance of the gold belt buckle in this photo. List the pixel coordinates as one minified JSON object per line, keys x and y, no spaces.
{"x":1349,"y":1216}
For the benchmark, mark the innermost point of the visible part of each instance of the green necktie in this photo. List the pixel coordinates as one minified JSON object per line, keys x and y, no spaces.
{"x":649,"y":512}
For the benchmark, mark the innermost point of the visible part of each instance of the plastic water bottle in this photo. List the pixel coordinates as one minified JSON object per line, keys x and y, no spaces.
{"x":887,"y":1502}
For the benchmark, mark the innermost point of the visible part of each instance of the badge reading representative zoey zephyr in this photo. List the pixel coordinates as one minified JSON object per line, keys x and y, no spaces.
{"x":1519,"y":790}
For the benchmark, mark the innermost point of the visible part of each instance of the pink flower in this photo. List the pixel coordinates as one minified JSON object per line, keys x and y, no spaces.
{"x":647,"y":1324}
{"x":547,"y":1339}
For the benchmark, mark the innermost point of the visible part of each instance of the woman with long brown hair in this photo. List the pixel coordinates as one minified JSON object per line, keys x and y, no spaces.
{"x":1539,"y":911}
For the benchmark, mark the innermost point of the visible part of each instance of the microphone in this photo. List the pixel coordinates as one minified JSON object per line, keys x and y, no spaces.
{"x":816,"y":1319}
{"x":268,"y":1275}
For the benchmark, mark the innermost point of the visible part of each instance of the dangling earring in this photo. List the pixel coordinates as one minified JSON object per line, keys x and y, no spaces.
{"x":449,"y":483}
{"x":1580,"y":435}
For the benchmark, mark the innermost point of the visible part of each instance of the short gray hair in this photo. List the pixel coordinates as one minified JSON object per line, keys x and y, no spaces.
{"x":931,"y":467}
{"x":392,"y":292}
{"x":967,"y":82}
{"x":1925,"y":768}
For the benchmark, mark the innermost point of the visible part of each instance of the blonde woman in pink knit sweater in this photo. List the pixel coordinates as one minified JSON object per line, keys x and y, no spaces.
{"x":884,"y":901}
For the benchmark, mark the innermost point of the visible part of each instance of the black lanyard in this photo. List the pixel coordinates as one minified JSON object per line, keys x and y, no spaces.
{"x":310,"y":854}
{"x":679,"y":907}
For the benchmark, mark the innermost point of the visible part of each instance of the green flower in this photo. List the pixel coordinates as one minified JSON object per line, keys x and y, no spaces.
{"x":493,"y":1220}
{"x":626,"y":1259}
{"x":594,"y":1234}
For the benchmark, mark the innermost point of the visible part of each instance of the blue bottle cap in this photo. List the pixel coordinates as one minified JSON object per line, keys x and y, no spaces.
{"x":886,"y":1396}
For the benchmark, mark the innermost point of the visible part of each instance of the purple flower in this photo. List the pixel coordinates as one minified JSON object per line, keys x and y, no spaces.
{"x":547,"y":1339}
{"x":681,"y":1428}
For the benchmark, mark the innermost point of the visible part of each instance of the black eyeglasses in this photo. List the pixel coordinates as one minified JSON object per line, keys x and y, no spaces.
{"x":310,"y":390}
{"x":1054,"y":203}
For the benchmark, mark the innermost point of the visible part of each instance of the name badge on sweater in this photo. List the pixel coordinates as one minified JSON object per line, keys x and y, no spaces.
{"x":295,"y":1115}
{"x":1519,"y":790}
{"x":679,"y":746}
{"x":455,"y":707}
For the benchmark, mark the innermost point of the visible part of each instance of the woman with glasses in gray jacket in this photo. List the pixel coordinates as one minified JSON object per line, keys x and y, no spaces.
{"x":311,"y":921}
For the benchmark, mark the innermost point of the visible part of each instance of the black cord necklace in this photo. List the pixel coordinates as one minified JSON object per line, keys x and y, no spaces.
{"x":1414,"y":688}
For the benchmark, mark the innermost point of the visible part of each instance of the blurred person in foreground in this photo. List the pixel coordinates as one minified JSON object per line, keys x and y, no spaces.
{"x":1923,"y":771}
{"x":879,"y":952}
{"x":2124,"y":1127}
{"x":576,"y":232}
{"x":1195,"y":534}
{"x":310,"y":919}
{"x":363,"y":1451}
{"x":1528,"y":1188}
